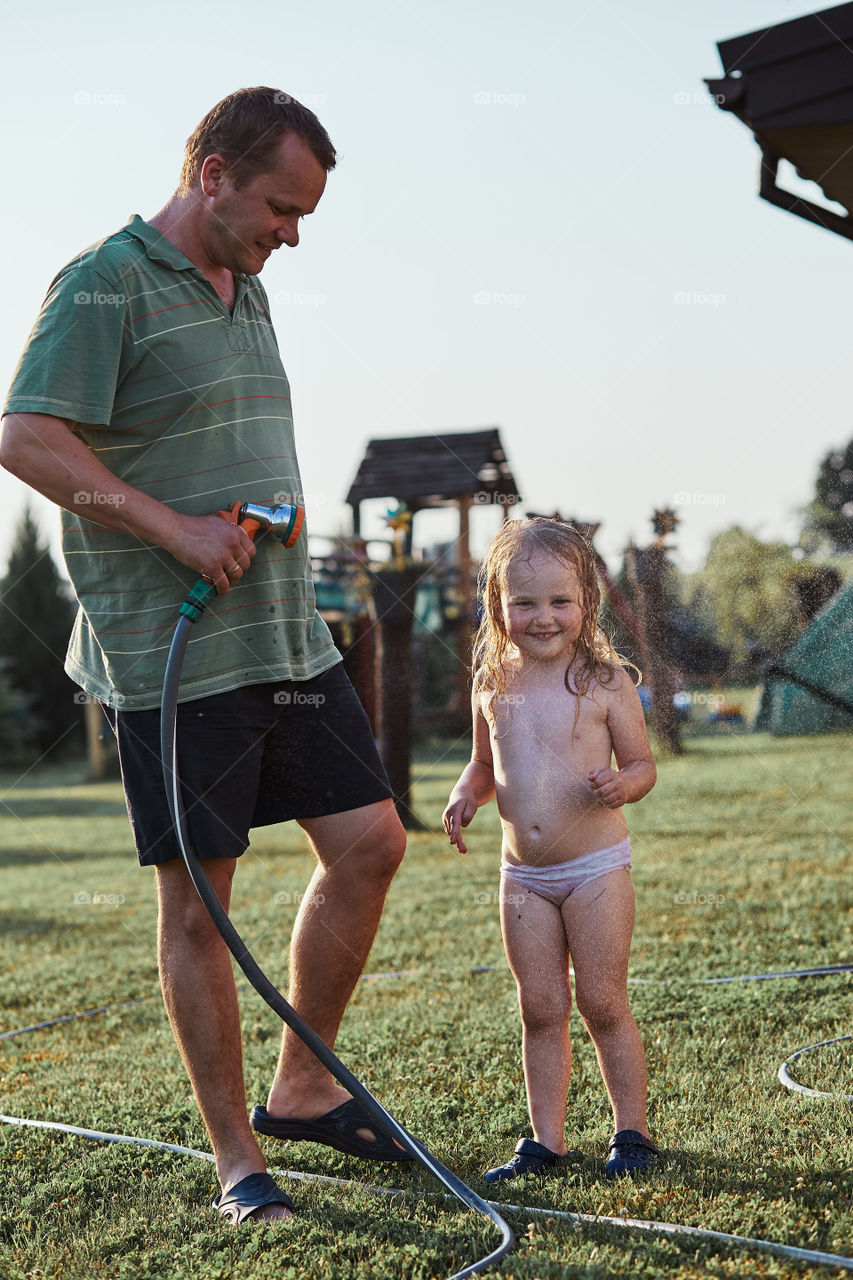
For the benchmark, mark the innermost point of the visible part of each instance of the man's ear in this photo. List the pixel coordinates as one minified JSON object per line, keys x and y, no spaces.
{"x":212,"y":174}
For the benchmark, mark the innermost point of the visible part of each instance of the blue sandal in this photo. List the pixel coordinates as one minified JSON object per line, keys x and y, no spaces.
{"x":337,"y":1128}
{"x":630,"y":1152}
{"x":530,"y":1157}
{"x":243,"y":1199}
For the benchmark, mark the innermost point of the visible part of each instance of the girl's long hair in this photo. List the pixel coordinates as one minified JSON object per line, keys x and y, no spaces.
{"x":595,"y":658}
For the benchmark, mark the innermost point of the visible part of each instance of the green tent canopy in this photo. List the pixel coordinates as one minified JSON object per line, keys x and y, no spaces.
{"x":811,"y":689}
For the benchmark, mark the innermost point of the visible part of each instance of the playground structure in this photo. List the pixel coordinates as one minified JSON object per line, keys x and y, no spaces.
{"x":459,"y":470}
{"x":791,"y":85}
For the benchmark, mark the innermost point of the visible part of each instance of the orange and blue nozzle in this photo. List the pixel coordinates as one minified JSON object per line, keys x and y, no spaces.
{"x":284,"y":522}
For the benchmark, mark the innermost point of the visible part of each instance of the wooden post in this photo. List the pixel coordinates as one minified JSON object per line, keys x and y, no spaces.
{"x":647,"y":569}
{"x":360,"y":665}
{"x":95,"y":725}
{"x":465,"y":632}
{"x":394,"y":596}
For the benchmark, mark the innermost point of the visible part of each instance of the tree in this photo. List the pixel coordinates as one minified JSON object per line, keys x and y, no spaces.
{"x":36,"y":616}
{"x":17,"y":741}
{"x":749,"y":586}
{"x":649,"y":569}
{"x":830,"y":514}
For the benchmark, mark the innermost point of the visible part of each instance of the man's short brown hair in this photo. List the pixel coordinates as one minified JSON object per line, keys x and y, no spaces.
{"x":245,"y":129}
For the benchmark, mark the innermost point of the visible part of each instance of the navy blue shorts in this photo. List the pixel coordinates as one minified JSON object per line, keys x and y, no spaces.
{"x":247,"y":758}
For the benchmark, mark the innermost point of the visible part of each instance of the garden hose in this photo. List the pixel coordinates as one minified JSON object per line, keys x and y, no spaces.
{"x":285,"y":523}
{"x":749,"y":1244}
{"x":190,"y":611}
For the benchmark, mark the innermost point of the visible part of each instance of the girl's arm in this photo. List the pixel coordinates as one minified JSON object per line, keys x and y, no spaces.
{"x":635,"y":774}
{"x":476,"y":786}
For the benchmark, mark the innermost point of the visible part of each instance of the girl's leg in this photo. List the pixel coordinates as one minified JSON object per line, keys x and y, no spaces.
{"x":599,"y":920}
{"x":535,"y":941}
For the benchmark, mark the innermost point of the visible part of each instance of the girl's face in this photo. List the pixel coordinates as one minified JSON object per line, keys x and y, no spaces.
{"x":542,"y":608}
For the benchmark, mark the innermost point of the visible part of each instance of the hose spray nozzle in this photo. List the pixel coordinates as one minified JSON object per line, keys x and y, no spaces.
{"x":284,"y":521}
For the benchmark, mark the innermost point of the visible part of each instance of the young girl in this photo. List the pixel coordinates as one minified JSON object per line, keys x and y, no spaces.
{"x":551,"y":702}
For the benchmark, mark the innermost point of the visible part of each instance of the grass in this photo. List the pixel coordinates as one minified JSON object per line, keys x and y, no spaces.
{"x":741,"y":866}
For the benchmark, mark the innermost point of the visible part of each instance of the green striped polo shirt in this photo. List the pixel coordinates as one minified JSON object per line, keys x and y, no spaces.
{"x":191,"y":404}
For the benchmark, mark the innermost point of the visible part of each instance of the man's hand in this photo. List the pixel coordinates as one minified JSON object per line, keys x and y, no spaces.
{"x":219,"y":551}
{"x":457,"y":815}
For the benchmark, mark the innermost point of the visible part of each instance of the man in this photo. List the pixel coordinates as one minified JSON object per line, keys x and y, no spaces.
{"x":151,"y":394}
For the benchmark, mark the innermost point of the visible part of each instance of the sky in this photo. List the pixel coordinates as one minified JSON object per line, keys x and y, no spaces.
{"x":539,"y":221}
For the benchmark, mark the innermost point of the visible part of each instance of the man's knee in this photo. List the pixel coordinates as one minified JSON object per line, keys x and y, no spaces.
{"x":181,"y":910}
{"x":365,"y":844}
{"x":385,"y":847}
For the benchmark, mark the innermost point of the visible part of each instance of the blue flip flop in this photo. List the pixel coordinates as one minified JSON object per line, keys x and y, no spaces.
{"x":240,"y":1201}
{"x":337,"y":1128}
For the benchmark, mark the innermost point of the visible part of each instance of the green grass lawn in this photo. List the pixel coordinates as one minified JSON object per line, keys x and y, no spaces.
{"x":741,"y":865}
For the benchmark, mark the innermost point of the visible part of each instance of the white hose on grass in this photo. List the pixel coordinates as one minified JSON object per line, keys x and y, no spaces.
{"x":745,"y":1243}
{"x":790,"y":1083}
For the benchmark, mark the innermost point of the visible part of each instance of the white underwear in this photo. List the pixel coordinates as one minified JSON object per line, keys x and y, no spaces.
{"x":558,"y":882}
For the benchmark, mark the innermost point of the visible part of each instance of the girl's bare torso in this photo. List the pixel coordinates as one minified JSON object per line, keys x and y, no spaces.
{"x":542,"y":757}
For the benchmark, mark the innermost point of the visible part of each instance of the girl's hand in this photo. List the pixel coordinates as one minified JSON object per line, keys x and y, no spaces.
{"x":608,"y":788}
{"x":457,"y":815}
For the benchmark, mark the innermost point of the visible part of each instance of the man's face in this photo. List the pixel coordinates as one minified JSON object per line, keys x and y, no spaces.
{"x":243,"y":226}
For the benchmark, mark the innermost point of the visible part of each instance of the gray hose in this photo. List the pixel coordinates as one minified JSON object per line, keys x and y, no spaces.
{"x":273,"y":997}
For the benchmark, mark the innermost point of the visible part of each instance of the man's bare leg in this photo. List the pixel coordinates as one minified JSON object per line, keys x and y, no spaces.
{"x":201,"y":1000}
{"x":358,"y":853}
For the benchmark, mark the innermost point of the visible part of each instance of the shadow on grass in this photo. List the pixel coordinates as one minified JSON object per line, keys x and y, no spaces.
{"x":32,"y":857}
{"x":685,"y":1170}
{"x":66,"y":807}
{"x":701,"y":1172}
{"x":26,"y":926}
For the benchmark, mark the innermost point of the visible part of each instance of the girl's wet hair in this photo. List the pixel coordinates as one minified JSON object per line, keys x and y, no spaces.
{"x":595,"y":658}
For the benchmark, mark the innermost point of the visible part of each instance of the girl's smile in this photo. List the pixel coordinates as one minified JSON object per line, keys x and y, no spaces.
{"x":541,"y":606}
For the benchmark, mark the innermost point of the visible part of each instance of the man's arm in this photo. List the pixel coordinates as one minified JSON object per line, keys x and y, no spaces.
{"x":44,"y":452}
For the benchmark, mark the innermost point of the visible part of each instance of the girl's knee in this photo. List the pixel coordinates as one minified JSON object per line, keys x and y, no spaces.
{"x":603,"y":1011}
{"x":544,"y":1008}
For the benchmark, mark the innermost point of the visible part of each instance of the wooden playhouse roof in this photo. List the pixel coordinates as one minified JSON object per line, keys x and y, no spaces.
{"x":435,"y":470}
{"x":792,"y":85}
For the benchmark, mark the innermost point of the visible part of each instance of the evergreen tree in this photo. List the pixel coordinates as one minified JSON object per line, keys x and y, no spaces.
{"x":831,"y":512}
{"x":36,"y":616}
